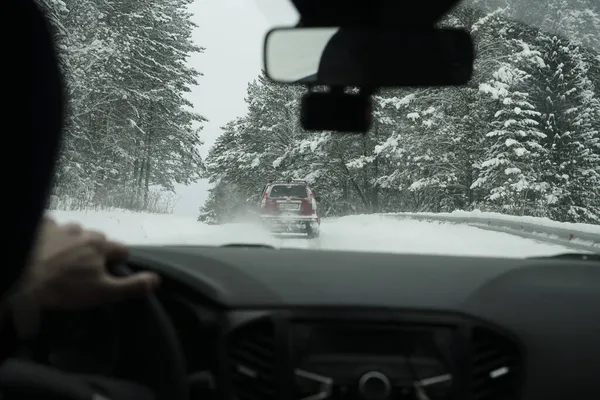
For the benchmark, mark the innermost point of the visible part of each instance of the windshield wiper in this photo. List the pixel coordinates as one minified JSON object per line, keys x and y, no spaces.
{"x":250,"y":245}
{"x":571,"y":256}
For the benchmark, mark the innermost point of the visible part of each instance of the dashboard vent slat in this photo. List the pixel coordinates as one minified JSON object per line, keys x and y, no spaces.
{"x":496,"y":366}
{"x":252,"y":358}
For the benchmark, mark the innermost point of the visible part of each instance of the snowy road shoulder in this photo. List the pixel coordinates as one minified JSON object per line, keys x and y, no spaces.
{"x":383,"y":234}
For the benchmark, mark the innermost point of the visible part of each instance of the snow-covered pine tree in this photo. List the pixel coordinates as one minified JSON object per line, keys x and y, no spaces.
{"x":131,"y":131}
{"x":225,"y":203}
{"x":569,"y":106}
{"x":512,"y":170}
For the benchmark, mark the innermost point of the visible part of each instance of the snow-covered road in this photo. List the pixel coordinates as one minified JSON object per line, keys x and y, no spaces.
{"x":357,"y":233}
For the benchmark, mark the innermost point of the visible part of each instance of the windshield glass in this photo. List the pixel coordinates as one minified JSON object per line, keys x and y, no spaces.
{"x":174,"y":131}
{"x":288,"y":191}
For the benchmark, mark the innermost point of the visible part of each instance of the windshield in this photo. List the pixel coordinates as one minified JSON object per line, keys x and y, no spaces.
{"x":288,"y":191}
{"x":174,"y":129}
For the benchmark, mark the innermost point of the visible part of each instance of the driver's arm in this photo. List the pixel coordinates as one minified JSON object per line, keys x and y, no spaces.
{"x":8,"y":334}
{"x":19,"y":322}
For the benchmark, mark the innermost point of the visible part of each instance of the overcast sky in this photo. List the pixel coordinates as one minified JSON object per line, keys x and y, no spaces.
{"x":232,"y":32}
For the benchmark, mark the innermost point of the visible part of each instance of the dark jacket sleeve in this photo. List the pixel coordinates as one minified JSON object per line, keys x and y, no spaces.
{"x":8,"y":335}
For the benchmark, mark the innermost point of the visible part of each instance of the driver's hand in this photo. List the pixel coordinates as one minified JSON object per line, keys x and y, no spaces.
{"x":68,"y":269}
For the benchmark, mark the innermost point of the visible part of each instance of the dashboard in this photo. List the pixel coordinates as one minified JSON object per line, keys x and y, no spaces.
{"x":264,"y":324}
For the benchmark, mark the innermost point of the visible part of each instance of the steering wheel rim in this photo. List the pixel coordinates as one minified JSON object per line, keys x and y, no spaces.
{"x":171,"y":382}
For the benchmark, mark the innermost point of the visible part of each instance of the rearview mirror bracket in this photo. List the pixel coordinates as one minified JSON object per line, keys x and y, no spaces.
{"x":336,"y":110}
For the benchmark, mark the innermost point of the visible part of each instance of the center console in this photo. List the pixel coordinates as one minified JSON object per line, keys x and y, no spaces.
{"x":376,"y":356}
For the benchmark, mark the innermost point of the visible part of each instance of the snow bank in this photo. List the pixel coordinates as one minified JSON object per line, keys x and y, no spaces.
{"x":512,"y":218}
{"x":379,"y":233}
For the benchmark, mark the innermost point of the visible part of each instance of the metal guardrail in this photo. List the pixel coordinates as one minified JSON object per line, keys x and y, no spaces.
{"x":567,"y":236}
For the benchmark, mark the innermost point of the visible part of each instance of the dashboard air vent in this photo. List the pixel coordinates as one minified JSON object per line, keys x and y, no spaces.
{"x":496,"y":366}
{"x":252,"y":352}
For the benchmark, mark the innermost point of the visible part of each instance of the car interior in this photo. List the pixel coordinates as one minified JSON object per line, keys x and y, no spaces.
{"x":256,"y":323}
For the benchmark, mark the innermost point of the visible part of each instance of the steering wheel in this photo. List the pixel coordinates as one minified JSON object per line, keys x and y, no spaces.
{"x":25,"y":379}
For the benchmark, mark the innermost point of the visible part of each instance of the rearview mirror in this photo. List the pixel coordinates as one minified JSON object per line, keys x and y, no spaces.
{"x":318,"y":199}
{"x":369,"y":58}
